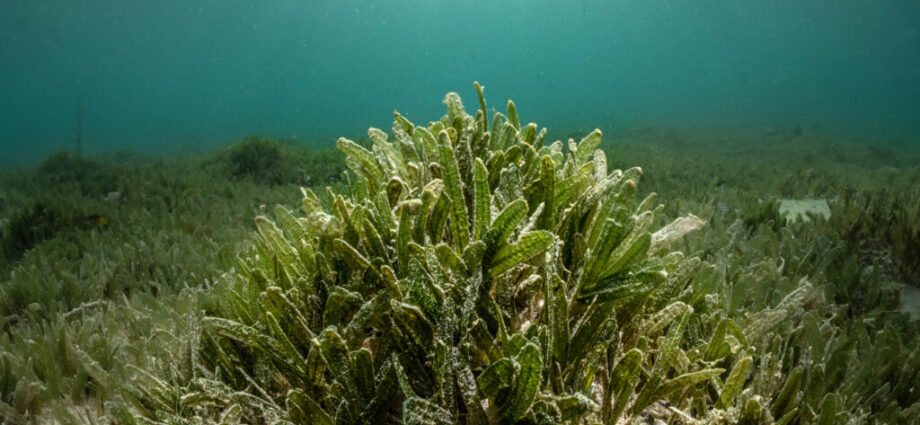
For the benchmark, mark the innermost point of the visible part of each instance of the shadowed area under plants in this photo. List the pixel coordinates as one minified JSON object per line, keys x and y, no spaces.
{"x":472,"y":273}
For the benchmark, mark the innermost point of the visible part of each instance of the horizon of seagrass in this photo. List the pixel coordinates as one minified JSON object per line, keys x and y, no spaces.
{"x":474,"y":275}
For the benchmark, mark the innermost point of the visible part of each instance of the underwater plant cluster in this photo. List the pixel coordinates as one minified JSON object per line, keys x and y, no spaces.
{"x":468,"y":271}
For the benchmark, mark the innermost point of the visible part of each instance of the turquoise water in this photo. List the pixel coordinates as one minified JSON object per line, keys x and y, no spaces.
{"x":177,"y":76}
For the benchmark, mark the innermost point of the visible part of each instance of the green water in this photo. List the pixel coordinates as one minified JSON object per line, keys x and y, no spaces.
{"x":179,"y":76}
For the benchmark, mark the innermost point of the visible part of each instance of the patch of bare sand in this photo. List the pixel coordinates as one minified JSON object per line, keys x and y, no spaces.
{"x":798,"y":209}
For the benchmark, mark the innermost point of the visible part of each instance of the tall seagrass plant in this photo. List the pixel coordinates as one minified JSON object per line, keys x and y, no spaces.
{"x":472,"y":274}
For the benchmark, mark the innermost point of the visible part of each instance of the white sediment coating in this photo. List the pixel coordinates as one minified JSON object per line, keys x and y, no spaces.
{"x":798,"y":209}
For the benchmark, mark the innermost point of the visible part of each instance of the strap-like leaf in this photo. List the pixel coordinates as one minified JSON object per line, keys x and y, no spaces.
{"x":663,"y":362}
{"x":482,"y":209}
{"x":460,"y":224}
{"x":498,"y":375}
{"x":735,"y":382}
{"x":585,"y":334}
{"x":363,"y":157}
{"x":403,"y":237}
{"x":526,"y":385}
{"x":466,"y":382}
{"x":306,"y":411}
{"x":363,"y":371}
{"x":529,"y":246}
{"x":541,"y":192}
{"x":633,"y":247}
{"x":688,"y":380}
{"x":417,"y":411}
{"x":505,"y":223}
{"x":513,"y":116}
{"x":586,"y":146}
{"x":618,"y":288}
{"x":623,"y":381}
{"x":350,"y":254}
{"x":781,"y":405}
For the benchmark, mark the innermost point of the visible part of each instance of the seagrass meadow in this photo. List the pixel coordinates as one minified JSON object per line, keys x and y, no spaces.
{"x":467,"y":270}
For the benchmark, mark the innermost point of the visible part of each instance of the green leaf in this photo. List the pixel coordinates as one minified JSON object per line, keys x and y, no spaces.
{"x":304,"y":410}
{"x":529,"y":246}
{"x":526,"y":385}
{"x":559,"y":311}
{"x":458,"y":216}
{"x":339,"y":305}
{"x":788,"y":417}
{"x":336,"y":354}
{"x":587,"y":146}
{"x":417,"y":411}
{"x":505,"y":223}
{"x":663,"y":362}
{"x":513,"y":116}
{"x":830,"y":406}
{"x":752,"y":412}
{"x":363,"y":374}
{"x":279,"y":245}
{"x":466,"y":382}
{"x":350,"y":254}
{"x":498,"y":375}
{"x":367,"y":162}
{"x":439,"y":214}
{"x":623,"y":381}
{"x":373,"y":241}
{"x":677,"y":280}
{"x":735,"y":382}
{"x":782,"y":404}
{"x":664,"y":317}
{"x":632,"y":249}
{"x":600,"y":252}
{"x":587,"y":331}
{"x":541,"y":192}
{"x":714,"y":347}
{"x":688,"y":380}
{"x":472,"y":255}
{"x":413,"y":321}
{"x":482,"y":100}
{"x":575,"y":405}
{"x":482,"y":212}
{"x":617,"y":288}
{"x":403,"y":237}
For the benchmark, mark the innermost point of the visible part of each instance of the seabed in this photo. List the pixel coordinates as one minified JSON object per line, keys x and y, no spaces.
{"x":124,"y":283}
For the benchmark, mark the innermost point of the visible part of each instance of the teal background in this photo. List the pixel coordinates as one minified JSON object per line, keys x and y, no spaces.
{"x":172,"y":76}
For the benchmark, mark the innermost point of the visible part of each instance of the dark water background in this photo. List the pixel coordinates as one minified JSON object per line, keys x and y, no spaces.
{"x":174,"y":76}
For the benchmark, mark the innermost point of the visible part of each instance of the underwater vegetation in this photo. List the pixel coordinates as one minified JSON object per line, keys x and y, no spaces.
{"x":560,"y":301}
{"x":30,"y":226}
{"x":98,"y":297}
{"x":86,"y":175}
{"x":473,"y":274}
{"x":269,"y":161}
{"x":883,"y":224}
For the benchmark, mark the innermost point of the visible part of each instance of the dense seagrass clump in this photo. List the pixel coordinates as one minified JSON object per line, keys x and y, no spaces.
{"x":472,"y":274}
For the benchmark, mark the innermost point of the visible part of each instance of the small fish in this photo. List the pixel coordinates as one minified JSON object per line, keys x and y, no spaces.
{"x":96,"y":220}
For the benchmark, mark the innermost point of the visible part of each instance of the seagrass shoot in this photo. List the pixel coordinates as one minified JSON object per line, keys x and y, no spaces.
{"x":471,"y":272}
